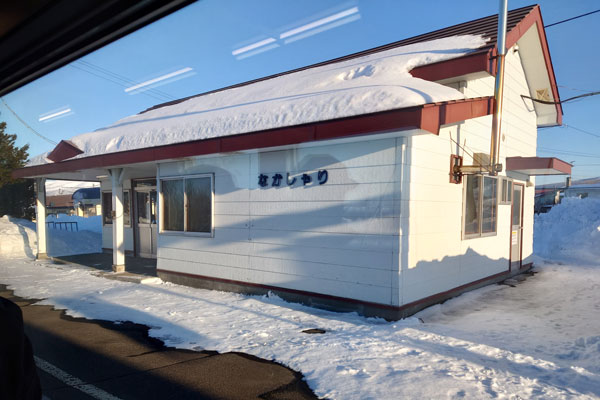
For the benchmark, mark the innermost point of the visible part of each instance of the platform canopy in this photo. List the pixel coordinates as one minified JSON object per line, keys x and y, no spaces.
{"x":537,"y":166}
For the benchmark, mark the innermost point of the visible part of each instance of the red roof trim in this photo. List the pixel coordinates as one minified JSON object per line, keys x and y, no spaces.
{"x":518,"y":164}
{"x":476,"y":62}
{"x":428,"y":117}
{"x":63,"y":151}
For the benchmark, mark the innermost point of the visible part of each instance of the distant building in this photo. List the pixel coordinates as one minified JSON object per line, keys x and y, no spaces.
{"x":583,"y":190}
{"x":60,"y":204}
{"x":86,"y":202}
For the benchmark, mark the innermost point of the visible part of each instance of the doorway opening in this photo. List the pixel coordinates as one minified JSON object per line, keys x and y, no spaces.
{"x":144,"y":219}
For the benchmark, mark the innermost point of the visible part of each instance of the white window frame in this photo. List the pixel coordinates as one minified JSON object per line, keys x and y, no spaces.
{"x":161,"y":229}
{"x":502,"y":199}
{"x":479,"y":234}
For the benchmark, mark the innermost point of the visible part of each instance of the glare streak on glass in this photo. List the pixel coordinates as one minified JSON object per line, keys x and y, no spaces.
{"x":257,"y":51}
{"x":53,"y":115}
{"x":253,"y":46}
{"x":324,"y":28}
{"x":199,"y":204}
{"x":160,"y":78}
{"x":319,"y":22}
{"x":172,"y":199}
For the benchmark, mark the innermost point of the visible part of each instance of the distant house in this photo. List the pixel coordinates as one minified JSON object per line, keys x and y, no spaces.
{"x":363,"y":183}
{"x":60,"y":204}
{"x":584,"y":190}
{"x":546,"y":198}
{"x":86,"y":202}
{"x":73,"y":198}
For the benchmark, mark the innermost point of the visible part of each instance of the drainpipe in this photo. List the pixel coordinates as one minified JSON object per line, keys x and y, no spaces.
{"x":498,"y":90}
{"x":493,"y":166}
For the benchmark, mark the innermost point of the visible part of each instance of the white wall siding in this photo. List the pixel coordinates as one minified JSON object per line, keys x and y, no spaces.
{"x":439,"y":259}
{"x":340,"y":238}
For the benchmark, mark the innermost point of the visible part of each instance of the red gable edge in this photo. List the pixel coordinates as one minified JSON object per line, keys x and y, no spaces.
{"x":63,"y":151}
{"x":428,"y":117}
{"x":535,"y":17}
{"x":485,"y":60}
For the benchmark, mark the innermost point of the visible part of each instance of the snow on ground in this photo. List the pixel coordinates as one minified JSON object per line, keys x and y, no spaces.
{"x":368,"y":84}
{"x":539,"y":339}
{"x":92,"y":224}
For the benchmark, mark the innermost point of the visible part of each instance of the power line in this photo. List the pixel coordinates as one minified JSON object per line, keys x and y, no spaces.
{"x":122,"y":78}
{"x":571,"y":19}
{"x":568,"y":153}
{"x":571,"y":88}
{"x":582,"y":131}
{"x":151,"y":93}
{"x":27,"y":125}
{"x":562,"y":101}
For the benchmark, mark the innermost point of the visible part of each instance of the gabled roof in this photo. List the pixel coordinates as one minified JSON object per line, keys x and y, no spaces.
{"x":474,"y":55}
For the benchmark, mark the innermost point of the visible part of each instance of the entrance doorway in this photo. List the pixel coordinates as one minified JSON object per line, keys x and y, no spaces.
{"x":516,"y":239}
{"x":144,"y":220}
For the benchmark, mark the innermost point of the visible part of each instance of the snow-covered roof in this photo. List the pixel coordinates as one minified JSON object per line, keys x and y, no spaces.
{"x":372,"y":83}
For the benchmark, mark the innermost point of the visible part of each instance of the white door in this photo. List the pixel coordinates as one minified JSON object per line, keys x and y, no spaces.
{"x":145,"y":223}
{"x":516,"y":239}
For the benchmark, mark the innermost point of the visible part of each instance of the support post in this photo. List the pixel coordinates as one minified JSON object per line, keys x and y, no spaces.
{"x":40,"y":217}
{"x":118,"y":230}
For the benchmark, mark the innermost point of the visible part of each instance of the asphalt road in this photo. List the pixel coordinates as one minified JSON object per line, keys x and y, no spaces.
{"x":83,"y":359}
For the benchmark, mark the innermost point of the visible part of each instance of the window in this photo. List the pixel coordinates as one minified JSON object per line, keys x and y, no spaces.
{"x":107,"y":208}
{"x":187,"y":204}
{"x":506,"y":191}
{"x":480,"y":206}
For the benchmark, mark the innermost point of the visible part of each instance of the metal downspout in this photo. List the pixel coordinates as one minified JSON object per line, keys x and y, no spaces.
{"x":498,"y":91}
{"x":493,"y":166}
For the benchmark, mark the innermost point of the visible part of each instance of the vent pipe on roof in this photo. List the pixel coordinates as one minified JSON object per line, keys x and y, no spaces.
{"x":492,"y":166}
{"x":498,"y":90}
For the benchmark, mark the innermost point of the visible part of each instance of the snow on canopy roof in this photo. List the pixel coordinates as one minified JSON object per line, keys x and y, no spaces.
{"x":372,"y":83}
{"x":58,"y":187}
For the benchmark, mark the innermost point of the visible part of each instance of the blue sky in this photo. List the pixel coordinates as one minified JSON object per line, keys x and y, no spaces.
{"x":205,"y":47}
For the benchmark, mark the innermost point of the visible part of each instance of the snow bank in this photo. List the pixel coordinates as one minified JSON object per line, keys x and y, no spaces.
{"x":17,"y":238}
{"x":63,"y":242}
{"x":569,"y":232}
{"x":373,"y":83}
